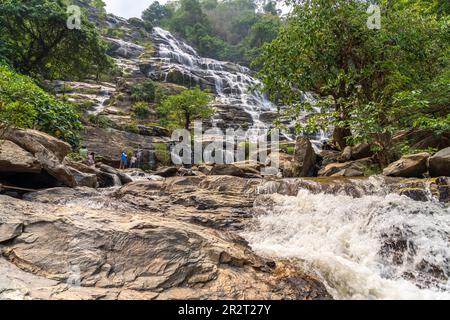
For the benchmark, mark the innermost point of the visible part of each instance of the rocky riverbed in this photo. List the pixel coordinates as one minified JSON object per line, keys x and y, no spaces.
{"x":168,"y":238}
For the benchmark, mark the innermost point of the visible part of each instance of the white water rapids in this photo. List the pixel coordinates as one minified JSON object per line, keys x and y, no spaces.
{"x":378,"y":246}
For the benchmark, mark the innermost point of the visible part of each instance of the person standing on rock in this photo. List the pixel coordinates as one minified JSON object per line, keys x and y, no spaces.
{"x":123,"y":160}
{"x":91,"y":159}
{"x":133,"y":161}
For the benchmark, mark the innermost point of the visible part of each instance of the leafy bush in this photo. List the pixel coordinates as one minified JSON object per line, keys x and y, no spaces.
{"x":28,"y":106}
{"x":100,"y":121}
{"x":162,"y":154}
{"x":144,"y":91}
{"x":132,"y":127}
{"x":141,"y":110}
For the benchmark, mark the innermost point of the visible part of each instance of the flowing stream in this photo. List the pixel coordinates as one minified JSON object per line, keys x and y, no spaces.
{"x":375,"y":245}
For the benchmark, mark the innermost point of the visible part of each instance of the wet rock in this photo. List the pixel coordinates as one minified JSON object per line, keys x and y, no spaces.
{"x":408,"y":166}
{"x":123,"y":49}
{"x":415,"y":194}
{"x":439,"y":164}
{"x":15,"y":159}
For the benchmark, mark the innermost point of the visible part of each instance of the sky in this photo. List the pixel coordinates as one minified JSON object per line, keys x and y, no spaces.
{"x":128,"y":8}
{"x":133,"y":8}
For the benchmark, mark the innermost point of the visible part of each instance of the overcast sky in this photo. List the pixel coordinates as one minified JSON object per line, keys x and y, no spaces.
{"x":134,"y":8}
{"x":128,"y":8}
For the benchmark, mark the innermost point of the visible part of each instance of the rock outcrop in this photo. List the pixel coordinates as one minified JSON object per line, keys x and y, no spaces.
{"x":15,"y":159}
{"x":439,"y":164}
{"x":304,"y":157}
{"x":410,"y":166}
{"x":167,"y":239}
{"x":346,"y":169}
{"x":43,"y":149}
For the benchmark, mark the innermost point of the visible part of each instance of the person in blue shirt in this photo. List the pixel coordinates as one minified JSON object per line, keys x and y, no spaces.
{"x":123,"y":160}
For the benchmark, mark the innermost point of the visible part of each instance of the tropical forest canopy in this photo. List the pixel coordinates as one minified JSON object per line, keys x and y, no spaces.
{"x":368,"y":83}
{"x":230,"y":30}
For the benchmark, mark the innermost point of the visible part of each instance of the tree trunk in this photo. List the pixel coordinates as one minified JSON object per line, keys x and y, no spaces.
{"x":188,"y":121}
{"x":340,"y":136}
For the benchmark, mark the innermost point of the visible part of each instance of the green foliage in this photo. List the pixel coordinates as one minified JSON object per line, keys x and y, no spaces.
{"x":100,"y":121}
{"x":226,"y":30}
{"x":27,"y":105}
{"x":180,"y":110}
{"x":162,"y":154}
{"x":35,"y":40}
{"x":144,"y":91}
{"x":368,"y":83}
{"x":157,"y":13}
{"x":132,"y":127}
{"x":17,"y":114}
{"x":141,"y":110}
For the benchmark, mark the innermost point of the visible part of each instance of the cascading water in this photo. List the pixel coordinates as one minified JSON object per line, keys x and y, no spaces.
{"x":375,"y":245}
{"x":232,"y":83}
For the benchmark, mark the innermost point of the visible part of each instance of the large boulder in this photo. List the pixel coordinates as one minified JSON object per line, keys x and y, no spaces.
{"x":14,"y":159}
{"x":124,"y":178}
{"x":84,"y":179}
{"x":439,"y":164}
{"x":357,"y":152}
{"x":410,"y":166}
{"x":48,"y":150}
{"x":304,"y":157}
{"x":361,"y":151}
{"x":346,"y":169}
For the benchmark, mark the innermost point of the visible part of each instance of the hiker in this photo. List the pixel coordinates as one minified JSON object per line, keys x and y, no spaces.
{"x":91,"y":159}
{"x":83,"y":152}
{"x":133,"y":161}
{"x":123,"y":160}
{"x":139,"y":158}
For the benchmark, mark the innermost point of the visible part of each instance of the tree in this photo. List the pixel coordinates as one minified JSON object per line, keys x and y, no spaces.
{"x":25,"y":105}
{"x":180,"y":110}
{"x":36,"y":40}
{"x":368,"y":83}
{"x":157,"y":14}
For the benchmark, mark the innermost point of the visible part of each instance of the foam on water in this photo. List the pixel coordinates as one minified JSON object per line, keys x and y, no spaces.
{"x":379,"y":246}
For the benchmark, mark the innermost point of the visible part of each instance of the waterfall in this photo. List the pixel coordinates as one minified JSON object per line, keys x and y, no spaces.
{"x":233,"y":84}
{"x":373,"y":244}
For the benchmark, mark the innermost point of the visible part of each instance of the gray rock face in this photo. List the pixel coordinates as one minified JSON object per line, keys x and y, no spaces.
{"x":147,"y":240}
{"x":304,"y":157}
{"x":14,"y":159}
{"x":439,"y":164}
{"x":408,"y":166}
{"x":122,"y":49}
{"x":47,"y":150}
